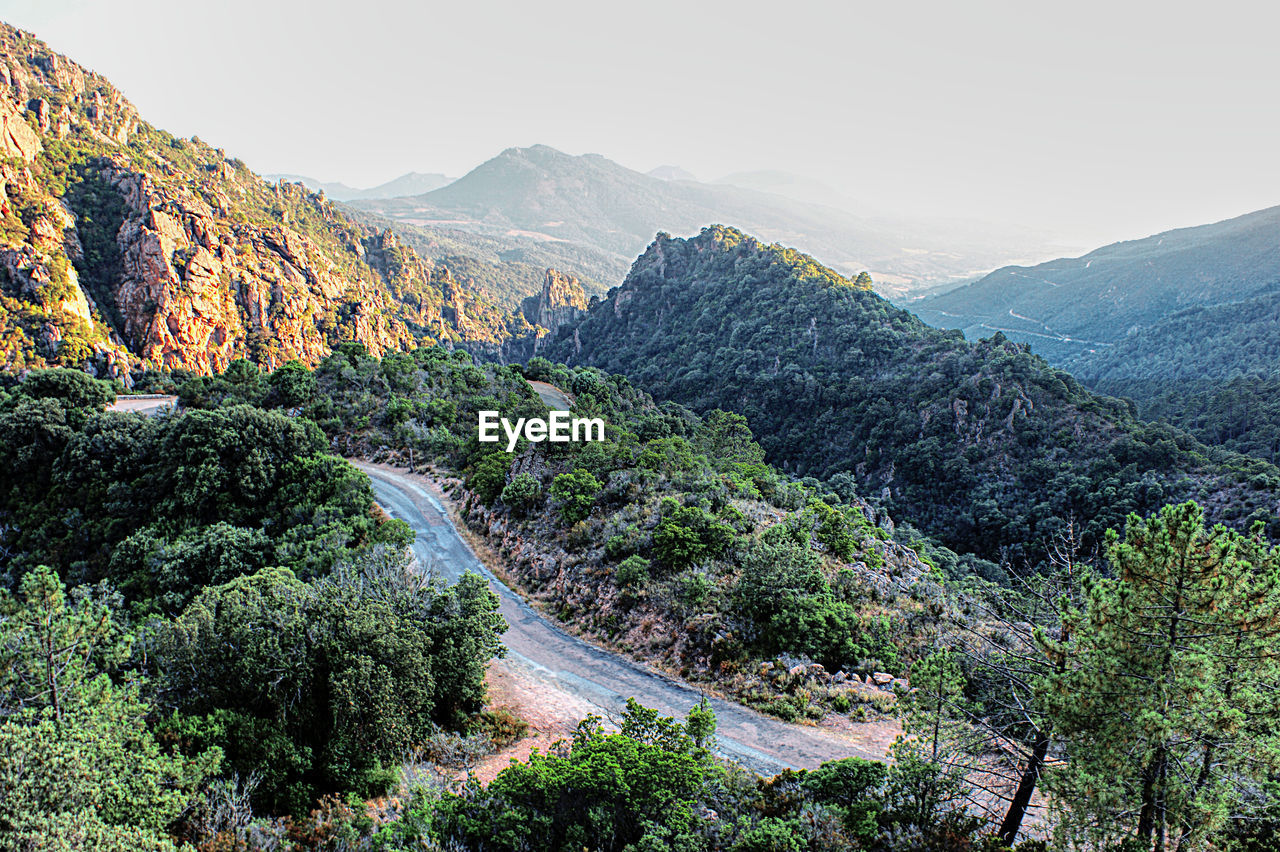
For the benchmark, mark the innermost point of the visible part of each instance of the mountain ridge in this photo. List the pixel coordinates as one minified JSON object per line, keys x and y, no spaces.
{"x":980,"y":443}
{"x":1068,"y":306}
{"x":543,"y":193}
{"x":123,"y":247}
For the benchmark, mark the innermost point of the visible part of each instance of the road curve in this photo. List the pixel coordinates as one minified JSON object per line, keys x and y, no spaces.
{"x":601,"y":678}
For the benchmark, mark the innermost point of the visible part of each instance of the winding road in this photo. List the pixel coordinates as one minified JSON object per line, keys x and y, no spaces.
{"x":540,"y":650}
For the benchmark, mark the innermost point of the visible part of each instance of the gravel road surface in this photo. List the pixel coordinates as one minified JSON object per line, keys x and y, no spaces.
{"x":542,"y":652}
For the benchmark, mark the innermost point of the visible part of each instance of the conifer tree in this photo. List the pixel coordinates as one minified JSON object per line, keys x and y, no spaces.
{"x":1166,"y":707}
{"x":928,"y":786}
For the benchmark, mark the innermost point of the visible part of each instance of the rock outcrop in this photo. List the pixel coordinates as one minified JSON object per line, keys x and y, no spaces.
{"x":17,"y":139}
{"x":124,"y":246}
{"x":562,"y":300}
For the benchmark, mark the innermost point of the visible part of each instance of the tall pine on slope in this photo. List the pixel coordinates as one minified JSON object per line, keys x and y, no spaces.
{"x":1167,"y":710}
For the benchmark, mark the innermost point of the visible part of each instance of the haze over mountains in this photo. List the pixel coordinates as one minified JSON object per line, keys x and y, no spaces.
{"x":543,"y":194}
{"x":412,"y":183}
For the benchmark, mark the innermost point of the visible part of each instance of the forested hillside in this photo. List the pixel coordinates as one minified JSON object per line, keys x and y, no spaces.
{"x":1069,"y":306}
{"x":672,"y":527}
{"x":980,"y":443}
{"x":205,"y":608}
{"x":1211,"y":371}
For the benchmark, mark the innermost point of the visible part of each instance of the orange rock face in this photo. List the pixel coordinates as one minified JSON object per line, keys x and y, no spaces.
{"x":146,"y":250}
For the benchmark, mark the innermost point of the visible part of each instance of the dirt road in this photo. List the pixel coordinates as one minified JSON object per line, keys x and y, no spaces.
{"x":149,"y":405}
{"x":552,"y":396}
{"x":547,"y":666}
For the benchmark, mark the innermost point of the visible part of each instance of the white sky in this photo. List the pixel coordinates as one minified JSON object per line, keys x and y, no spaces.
{"x":1096,"y":121}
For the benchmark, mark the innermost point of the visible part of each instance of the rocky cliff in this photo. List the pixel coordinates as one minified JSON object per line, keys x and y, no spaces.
{"x":122,"y":246}
{"x":561,"y":301}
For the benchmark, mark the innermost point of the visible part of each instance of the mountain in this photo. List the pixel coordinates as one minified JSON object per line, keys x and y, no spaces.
{"x":122,"y":246}
{"x":540,"y":193}
{"x":505,"y":269}
{"x":1213,"y":342}
{"x":671,"y":173}
{"x":1068,"y":307}
{"x":411,"y":183}
{"x":1213,"y":371}
{"x":981,"y":443}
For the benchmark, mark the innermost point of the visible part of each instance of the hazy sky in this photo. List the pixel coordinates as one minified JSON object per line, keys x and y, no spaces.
{"x":1098,"y":121}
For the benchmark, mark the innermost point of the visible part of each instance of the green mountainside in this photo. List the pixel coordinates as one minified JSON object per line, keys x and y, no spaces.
{"x":1212,"y":371}
{"x":981,"y":443}
{"x":1204,"y":342}
{"x":1067,"y":307}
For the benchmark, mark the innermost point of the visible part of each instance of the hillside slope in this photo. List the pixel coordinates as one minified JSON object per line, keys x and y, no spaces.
{"x":1213,"y":371}
{"x":981,"y":443}
{"x":1211,"y":342}
{"x":123,"y":246}
{"x":1071,"y":305}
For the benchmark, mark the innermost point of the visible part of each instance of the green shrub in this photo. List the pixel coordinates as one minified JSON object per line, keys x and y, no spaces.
{"x":523,"y":493}
{"x":633,"y":573}
{"x":576,"y":493}
{"x":687,"y":535}
{"x":489,"y":476}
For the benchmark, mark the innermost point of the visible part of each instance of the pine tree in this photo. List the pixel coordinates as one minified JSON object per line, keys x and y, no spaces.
{"x":928,"y":786}
{"x":1015,"y":644}
{"x":1165,"y":705}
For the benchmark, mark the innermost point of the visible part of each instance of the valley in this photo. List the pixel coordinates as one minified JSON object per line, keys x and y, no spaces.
{"x":1102,"y":299}
{"x":990,"y":567}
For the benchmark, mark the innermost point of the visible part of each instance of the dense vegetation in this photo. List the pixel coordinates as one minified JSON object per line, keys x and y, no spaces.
{"x":1215,"y":342}
{"x":1210,"y":371}
{"x":201,"y":609}
{"x":672,"y":527}
{"x":980,"y":443}
{"x":1241,"y":414}
{"x":161,"y":507}
{"x":223,"y":715}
